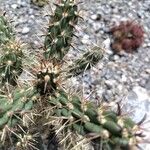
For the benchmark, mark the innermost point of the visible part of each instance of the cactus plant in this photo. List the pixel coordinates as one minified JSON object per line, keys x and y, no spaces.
{"x":14,"y":108}
{"x":114,"y":130}
{"x":89,"y":59}
{"x":47,"y":98}
{"x":60,"y":30}
{"x":6,"y":32}
{"x":11,"y":62}
{"x":17,"y":103}
{"x":10,"y":54}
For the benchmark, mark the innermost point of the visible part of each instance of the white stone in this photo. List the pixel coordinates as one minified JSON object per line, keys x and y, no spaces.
{"x":106,"y":43}
{"x":25,"y":30}
{"x":94,"y":16}
{"x":14,"y":6}
{"x":85,"y":39}
{"x":124,"y":78}
{"x":141,"y":93}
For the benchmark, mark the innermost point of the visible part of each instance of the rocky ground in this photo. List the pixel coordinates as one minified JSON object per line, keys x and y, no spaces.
{"x":125,"y":78}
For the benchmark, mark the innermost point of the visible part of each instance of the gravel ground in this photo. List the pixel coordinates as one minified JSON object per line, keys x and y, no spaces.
{"x":125,"y":78}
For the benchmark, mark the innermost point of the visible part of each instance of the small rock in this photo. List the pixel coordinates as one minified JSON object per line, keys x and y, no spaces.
{"x":110,"y":83}
{"x":108,"y":96}
{"x":147,"y":71}
{"x":124,"y":78}
{"x":132,"y":96}
{"x":96,"y":27}
{"x":85,"y":39}
{"x":14,"y":6}
{"x":96,"y":17}
{"x":116,"y":57}
{"x":142,"y":82}
{"x":141,"y":93}
{"x":25,"y":30}
{"x":106,"y":45}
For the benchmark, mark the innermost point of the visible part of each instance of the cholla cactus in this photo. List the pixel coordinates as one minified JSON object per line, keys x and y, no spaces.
{"x":60,"y":30}
{"x":89,"y":59}
{"x":46,"y":98}
{"x":6,"y":33}
{"x":10,"y":54}
{"x":10,"y":62}
{"x":19,"y":100}
{"x":14,"y":106}
{"x":114,"y":130}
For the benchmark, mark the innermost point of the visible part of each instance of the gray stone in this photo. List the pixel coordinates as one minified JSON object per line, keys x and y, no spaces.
{"x":147,"y":86}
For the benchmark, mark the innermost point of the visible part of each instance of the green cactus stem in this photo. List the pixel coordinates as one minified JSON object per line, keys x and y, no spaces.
{"x":10,"y":62}
{"x":114,"y":130}
{"x":6,"y":32}
{"x":60,"y":30}
{"x":10,"y":54}
{"x":13,"y":106}
{"x":89,"y":59}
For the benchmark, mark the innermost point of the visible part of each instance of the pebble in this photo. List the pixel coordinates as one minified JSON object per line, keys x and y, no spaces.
{"x":85,"y":39}
{"x":14,"y":6}
{"x":110,"y":84}
{"x":25,"y":30}
{"x":94,"y":17}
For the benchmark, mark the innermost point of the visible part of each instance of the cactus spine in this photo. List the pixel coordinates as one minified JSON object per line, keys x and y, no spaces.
{"x":6,"y":32}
